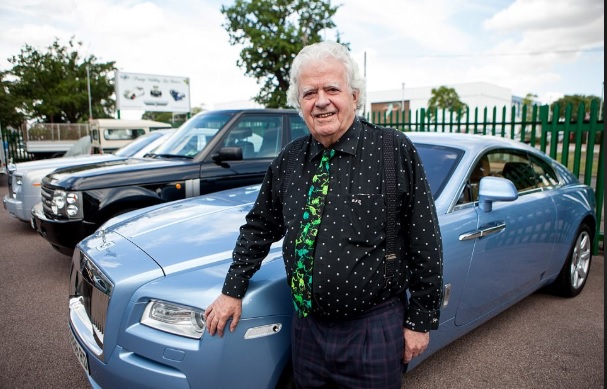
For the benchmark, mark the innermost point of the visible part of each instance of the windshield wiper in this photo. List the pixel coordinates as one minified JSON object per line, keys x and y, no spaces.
{"x":152,"y":155}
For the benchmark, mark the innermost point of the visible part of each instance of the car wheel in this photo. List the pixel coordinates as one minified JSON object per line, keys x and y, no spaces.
{"x":574,"y":273}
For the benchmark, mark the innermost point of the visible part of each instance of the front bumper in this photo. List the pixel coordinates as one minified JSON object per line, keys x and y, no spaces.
{"x":63,"y":235}
{"x":150,"y":359}
{"x":14,"y":208}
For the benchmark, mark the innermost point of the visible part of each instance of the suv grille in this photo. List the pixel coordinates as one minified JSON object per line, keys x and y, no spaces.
{"x":47,"y":198}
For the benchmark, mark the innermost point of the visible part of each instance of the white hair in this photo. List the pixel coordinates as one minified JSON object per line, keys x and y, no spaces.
{"x":319,"y":51}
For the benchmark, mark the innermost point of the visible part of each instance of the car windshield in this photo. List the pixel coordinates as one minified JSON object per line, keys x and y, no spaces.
{"x":194,"y":135}
{"x":81,"y":147}
{"x":138,"y":144}
{"x":439,"y":163}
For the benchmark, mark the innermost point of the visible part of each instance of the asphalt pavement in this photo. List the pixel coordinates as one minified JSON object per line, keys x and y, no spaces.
{"x":542,"y":342}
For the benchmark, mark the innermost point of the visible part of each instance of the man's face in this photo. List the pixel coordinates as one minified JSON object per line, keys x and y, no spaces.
{"x":328,"y":106}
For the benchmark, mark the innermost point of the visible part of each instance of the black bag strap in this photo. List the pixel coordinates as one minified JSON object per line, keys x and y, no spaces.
{"x":391,"y":198}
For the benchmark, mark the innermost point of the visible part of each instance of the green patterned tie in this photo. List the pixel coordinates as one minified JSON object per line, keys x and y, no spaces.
{"x":301,"y":282}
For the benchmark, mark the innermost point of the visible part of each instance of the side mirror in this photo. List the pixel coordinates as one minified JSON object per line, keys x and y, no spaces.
{"x":495,"y":189}
{"x":228,"y":154}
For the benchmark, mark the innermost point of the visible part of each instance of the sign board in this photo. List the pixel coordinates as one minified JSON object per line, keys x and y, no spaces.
{"x":149,"y":92}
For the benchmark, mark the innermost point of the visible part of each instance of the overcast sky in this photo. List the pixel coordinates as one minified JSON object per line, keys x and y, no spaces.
{"x":546,"y":47}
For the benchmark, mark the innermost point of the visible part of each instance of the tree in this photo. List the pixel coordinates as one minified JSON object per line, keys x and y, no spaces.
{"x":529,"y":101}
{"x":51,"y":86}
{"x":272,"y":33}
{"x":9,"y":114}
{"x":445,"y":98}
{"x":575,"y":101}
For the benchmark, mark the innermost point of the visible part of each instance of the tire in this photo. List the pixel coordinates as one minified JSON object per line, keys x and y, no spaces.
{"x":574,"y":274}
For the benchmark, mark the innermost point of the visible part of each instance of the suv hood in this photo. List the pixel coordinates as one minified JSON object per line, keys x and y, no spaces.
{"x":120,"y":172}
{"x":197,"y":232}
{"x":55,"y":163}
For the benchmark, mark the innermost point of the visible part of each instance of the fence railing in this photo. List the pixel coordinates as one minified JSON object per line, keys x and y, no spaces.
{"x":56,"y":131}
{"x":576,"y":144}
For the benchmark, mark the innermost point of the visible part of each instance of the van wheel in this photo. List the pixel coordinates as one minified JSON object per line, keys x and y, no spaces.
{"x":574,"y":274}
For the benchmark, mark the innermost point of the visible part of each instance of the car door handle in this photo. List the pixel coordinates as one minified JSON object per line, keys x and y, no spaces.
{"x":486,"y":230}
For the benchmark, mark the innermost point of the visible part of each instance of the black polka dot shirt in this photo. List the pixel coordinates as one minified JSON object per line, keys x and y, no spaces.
{"x":349,"y":268}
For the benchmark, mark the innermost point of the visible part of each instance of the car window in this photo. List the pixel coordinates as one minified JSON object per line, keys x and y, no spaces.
{"x":546,"y":177}
{"x":259,"y":136}
{"x":297,"y":127}
{"x":482,"y":168}
{"x":514,"y":166}
{"x":511,"y":164}
{"x":439,"y":163}
{"x":122,"y":133}
{"x":194,"y":134}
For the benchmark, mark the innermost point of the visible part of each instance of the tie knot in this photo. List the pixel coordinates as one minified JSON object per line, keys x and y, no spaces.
{"x":327,"y":154}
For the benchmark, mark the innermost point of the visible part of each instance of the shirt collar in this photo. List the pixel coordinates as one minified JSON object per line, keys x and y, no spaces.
{"x":347,"y":144}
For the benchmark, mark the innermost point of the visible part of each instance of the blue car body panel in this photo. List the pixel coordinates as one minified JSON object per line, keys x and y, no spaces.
{"x":180,"y":252}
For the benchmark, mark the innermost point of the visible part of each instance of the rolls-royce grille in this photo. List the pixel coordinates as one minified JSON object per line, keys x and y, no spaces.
{"x":95,"y":291}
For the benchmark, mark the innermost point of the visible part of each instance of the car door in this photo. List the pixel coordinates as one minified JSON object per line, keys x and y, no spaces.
{"x":516,"y":244}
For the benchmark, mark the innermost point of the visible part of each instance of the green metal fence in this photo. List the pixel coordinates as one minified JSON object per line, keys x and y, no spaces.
{"x":578,"y":144}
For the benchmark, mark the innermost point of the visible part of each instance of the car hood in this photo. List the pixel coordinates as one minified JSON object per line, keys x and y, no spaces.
{"x":118,"y":172}
{"x":189,"y":233}
{"x":56,"y":163}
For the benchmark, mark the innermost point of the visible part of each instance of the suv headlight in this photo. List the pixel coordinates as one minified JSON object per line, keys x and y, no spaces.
{"x":68,"y":204}
{"x":174,"y":318}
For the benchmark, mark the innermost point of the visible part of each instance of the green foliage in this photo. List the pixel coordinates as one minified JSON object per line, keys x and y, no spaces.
{"x":9,"y":115}
{"x":445,"y":98}
{"x":272,"y":33}
{"x":529,"y":101}
{"x":575,"y":101}
{"x":51,"y":85}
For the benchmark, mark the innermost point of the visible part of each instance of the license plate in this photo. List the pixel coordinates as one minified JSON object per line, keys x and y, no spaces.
{"x":79,"y":351}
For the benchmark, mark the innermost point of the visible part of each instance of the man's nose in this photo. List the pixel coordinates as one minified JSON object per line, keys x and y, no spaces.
{"x":322,"y":100}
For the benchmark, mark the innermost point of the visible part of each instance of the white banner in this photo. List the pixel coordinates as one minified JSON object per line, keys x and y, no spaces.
{"x":150,"y":92}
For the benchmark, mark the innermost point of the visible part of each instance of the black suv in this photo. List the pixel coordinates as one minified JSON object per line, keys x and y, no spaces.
{"x":212,"y":151}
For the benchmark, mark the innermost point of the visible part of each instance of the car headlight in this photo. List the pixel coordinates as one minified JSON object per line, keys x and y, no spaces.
{"x":68,"y":204}
{"x":174,"y":318}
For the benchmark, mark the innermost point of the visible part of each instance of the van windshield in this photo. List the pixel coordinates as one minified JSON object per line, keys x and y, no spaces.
{"x":194,"y":135}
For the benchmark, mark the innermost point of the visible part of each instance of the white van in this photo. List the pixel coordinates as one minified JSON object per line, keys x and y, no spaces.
{"x":108,"y":135}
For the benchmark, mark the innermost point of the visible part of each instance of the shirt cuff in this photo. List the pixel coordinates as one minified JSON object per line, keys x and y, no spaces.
{"x":235,"y":286}
{"x":421,"y":320}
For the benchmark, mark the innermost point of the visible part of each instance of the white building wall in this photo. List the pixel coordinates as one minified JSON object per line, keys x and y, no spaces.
{"x":475,"y":94}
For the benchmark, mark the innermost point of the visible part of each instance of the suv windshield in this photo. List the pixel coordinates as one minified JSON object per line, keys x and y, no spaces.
{"x":194,"y":135}
{"x":138,"y":144}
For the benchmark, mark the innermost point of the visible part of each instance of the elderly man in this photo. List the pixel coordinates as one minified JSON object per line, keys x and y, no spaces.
{"x":326,"y":194}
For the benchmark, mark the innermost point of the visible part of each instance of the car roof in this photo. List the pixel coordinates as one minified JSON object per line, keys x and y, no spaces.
{"x":467,"y":142}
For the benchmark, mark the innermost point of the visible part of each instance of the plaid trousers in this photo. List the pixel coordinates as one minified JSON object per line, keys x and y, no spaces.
{"x":364,"y":352}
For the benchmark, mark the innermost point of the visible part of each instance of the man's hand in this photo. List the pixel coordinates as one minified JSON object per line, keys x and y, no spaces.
{"x":220,"y":311}
{"x":415,"y":344}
